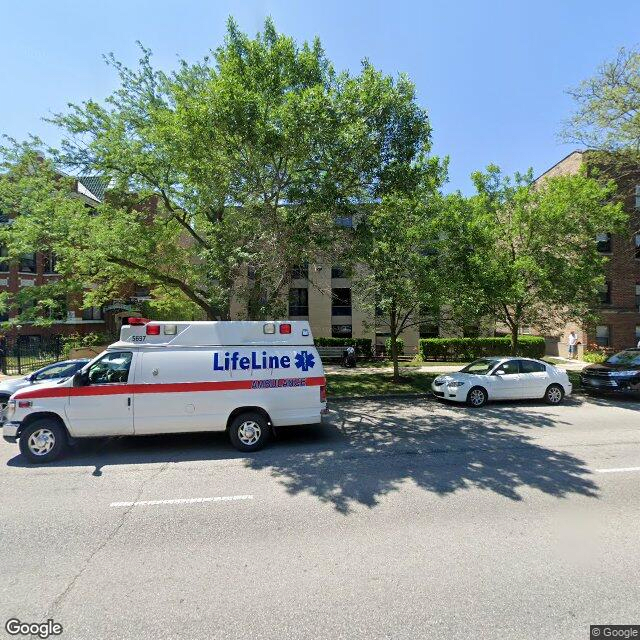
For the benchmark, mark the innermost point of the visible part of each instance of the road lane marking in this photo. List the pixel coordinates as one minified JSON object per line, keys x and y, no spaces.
{"x":145,"y":503}
{"x":620,"y":470}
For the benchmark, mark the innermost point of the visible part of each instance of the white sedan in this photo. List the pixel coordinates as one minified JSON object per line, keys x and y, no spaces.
{"x":503,"y":379}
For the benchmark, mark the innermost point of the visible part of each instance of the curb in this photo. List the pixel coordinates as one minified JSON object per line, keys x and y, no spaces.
{"x":380,"y":396}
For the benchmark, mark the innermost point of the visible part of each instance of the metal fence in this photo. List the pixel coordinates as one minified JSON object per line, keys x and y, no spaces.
{"x":22,"y":354}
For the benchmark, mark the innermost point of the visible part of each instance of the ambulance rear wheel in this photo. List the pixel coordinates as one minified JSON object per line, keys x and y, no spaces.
{"x":249,"y":431}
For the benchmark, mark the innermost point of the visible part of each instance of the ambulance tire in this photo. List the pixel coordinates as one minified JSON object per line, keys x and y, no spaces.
{"x":44,"y":440}
{"x":249,"y":431}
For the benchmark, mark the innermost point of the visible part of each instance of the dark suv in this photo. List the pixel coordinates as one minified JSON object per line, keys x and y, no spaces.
{"x":619,"y":373}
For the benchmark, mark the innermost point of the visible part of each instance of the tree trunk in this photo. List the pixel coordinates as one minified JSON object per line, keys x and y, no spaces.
{"x":394,"y":346}
{"x":514,"y":339}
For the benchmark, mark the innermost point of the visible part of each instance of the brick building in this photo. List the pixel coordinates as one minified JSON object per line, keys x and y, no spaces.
{"x":36,"y":269}
{"x":618,"y":325}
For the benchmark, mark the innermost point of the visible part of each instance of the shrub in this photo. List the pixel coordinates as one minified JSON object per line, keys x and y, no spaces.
{"x":362,"y":345}
{"x":399,"y":347}
{"x":596,"y":354}
{"x":466,"y":349}
{"x":77,"y":341}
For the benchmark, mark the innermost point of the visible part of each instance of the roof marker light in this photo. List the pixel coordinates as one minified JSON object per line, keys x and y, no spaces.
{"x":285,"y":328}
{"x":269,"y":327}
{"x":153,"y":329}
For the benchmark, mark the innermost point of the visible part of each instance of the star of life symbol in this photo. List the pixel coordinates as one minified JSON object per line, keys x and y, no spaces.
{"x":304,"y":360}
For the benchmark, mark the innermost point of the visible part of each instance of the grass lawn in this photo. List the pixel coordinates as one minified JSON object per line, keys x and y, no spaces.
{"x":368,"y":384}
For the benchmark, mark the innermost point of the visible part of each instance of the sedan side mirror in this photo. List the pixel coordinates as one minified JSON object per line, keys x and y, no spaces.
{"x":31,"y":377}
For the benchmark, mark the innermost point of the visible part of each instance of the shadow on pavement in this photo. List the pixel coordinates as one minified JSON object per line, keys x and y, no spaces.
{"x":368,"y":449}
{"x":439,"y":453}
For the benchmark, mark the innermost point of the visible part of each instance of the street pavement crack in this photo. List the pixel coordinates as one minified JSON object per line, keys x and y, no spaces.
{"x":57,"y":601}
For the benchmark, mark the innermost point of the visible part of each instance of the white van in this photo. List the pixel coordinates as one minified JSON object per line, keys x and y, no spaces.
{"x":168,"y":377}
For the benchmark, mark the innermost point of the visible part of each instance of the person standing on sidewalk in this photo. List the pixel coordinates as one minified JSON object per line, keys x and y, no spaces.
{"x":573,"y":345}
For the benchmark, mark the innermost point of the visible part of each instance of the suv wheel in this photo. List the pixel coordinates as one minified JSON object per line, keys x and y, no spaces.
{"x":43,"y":441}
{"x":249,"y":431}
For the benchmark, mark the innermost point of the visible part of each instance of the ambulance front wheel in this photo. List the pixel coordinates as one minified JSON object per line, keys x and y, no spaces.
{"x":249,"y":431}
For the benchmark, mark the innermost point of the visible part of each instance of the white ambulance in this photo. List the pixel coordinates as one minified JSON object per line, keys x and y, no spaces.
{"x":169,"y":377}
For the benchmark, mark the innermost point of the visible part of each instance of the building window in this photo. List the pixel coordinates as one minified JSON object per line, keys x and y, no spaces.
{"x":299,"y":302}
{"x":341,"y":331}
{"x":638,"y":296}
{"x":603,"y":242}
{"x":345,"y":221}
{"x":429,"y":330}
{"x":339,"y":272}
{"x":605,"y":293}
{"x":603,"y":335}
{"x":638,"y":196}
{"x":636,"y":238}
{"x":4,"y":263}
{"x":92,"y":313}
{"x":141,"y":292}
{"x":50,"y":263}
{"x":300,"y":272}
{"x":471,"y":331}
{"x":28,"y":263}
{"x":341,"y":301}
{"x":637,"y":334}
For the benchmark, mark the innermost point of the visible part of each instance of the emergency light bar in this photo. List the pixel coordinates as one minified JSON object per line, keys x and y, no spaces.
{"x":137,"y":322}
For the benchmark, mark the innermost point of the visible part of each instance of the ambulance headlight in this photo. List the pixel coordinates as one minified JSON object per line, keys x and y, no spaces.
{"x":11,"y":408}
{"x":269,"y":327}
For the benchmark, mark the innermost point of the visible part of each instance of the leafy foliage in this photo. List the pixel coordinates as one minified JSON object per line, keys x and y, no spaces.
{"x":525,"y":253}
{"x":237,"y":163}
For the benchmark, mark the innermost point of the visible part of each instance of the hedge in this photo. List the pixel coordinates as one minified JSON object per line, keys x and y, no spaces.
{"x":467,"y":349}
{"x":399,"y":346}
{"x":362,"y":345}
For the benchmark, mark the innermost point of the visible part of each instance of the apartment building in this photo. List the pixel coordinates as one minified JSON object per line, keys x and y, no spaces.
{"x":37,"y":269}
{"x":618,"y":326}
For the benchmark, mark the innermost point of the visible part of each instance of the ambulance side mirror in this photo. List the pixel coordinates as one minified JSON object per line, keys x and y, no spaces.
{"x":80,"y":379}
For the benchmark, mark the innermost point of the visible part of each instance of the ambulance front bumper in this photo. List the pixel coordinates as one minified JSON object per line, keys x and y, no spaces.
{"x":10,"y":431}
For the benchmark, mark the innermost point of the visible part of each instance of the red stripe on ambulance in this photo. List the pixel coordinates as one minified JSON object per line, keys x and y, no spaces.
{"x":174,"y":387}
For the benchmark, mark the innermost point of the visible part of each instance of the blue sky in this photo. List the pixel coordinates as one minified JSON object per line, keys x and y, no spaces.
{"x":492,"y":74}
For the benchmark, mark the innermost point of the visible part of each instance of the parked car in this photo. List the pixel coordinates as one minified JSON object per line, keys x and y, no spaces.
{"x":502,"y":379}
{"x":619,"y":373}
{"x":50,"y":373}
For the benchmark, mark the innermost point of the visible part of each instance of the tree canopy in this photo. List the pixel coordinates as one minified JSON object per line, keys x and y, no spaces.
{"x":237,"y":164}
{"x":525,"y":253}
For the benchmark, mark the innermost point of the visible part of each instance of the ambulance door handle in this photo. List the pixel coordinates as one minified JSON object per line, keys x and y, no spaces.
{"x":129,"y":401}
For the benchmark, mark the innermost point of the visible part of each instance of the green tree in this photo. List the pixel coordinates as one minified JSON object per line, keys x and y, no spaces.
{"x":397,"y":249}
{"x":248,"y":157}
{"x":525,"y":253}
{"x":607,"y":115}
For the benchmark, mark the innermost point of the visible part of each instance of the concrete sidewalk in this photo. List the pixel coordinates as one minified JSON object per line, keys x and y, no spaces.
{"x":435,"y":367}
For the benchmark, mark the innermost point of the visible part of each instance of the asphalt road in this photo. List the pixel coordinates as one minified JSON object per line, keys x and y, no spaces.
{"x":397,"y":519}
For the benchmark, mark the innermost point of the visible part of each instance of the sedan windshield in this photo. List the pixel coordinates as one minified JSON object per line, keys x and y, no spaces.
{"x":481,"y":367}
{"x":625,"y":357}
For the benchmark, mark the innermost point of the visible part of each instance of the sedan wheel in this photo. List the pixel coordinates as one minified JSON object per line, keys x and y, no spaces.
{"x":477,"y":397}
{"x":554,"y":394}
